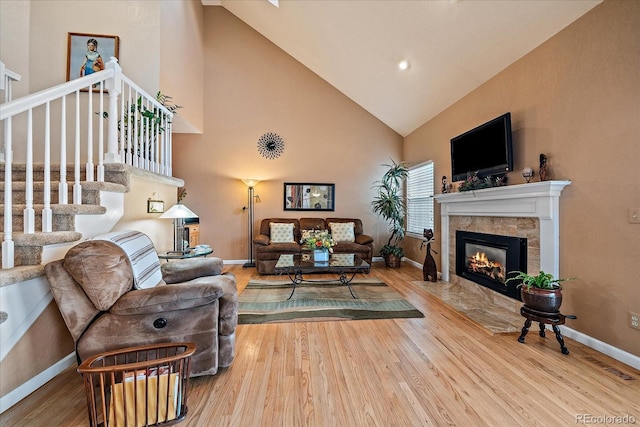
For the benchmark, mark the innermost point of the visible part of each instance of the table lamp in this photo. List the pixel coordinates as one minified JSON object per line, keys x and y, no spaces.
{"x":178,"y":213}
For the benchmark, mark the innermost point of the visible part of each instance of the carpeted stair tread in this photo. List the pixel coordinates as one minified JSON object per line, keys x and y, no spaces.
{"x":86,"y":185}
{"x":56,"y":209}
{"x":41,"y":239}
{"x":20,"y":274}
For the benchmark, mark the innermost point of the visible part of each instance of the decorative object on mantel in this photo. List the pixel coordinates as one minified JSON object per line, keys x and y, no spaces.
{"x":542,"y":171}
{"x":446,"y":187}
{"x":528,"y":174}
{"x":429,"y":269}
{"x":542,"y":298}
{"x":270,"y":145}
{"x":390,"y":204}
{"x":473,"y":182}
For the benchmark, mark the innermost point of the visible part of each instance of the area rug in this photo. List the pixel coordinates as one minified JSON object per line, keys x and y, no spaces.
{"x":265,"y":301}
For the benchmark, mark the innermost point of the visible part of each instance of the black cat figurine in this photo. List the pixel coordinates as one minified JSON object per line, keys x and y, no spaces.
{"x":429,"y":269}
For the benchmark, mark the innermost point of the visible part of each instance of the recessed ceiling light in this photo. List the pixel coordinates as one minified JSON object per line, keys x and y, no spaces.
{"x":404,"y":65}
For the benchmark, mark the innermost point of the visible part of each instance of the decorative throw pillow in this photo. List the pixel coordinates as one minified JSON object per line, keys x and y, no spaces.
{"x":343,"y":260}
{"x":342,"y":231}
{"x":281,"y":232}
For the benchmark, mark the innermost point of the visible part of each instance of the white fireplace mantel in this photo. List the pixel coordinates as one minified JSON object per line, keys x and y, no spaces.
{"x":535,"y":200}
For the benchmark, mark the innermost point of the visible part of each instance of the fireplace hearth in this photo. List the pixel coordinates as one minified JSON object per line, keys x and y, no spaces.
{"x":486,"y":259}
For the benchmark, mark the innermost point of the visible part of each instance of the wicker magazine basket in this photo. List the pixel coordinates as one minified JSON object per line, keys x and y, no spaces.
{"x":138,"y":386}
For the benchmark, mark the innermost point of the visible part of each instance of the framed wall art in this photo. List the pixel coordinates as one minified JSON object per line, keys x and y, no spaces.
{"x":88,"y":53}
{"x":309,"y":196}
{"x":155,"y":206}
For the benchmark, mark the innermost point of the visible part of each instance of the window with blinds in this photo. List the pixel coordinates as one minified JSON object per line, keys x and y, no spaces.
{"x":420,"y":198}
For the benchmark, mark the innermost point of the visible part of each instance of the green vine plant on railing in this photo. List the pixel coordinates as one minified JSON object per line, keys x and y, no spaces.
{"x":148,"y":119}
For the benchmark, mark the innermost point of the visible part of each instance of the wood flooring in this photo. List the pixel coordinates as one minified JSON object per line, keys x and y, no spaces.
{"x":433,"y":371}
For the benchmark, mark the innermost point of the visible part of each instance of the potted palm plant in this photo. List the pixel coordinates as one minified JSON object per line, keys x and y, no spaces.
{"x":390,"y":204}
{"x":541,"y":292}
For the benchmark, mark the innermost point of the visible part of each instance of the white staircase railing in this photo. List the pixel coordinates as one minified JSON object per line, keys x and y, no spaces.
{"x":138,"y":132}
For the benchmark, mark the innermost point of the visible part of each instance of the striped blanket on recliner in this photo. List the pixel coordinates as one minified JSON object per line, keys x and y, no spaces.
{"x":142,"y":255}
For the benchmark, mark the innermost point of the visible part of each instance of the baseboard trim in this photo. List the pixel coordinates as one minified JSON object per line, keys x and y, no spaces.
{"x":611,"y":351}
{"x":412,"y":262}
{"x":25,"y":389}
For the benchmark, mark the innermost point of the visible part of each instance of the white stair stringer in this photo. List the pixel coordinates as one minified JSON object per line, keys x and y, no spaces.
{"x":23,"y":302}
{"x":92,"y":225}
{"x":89,"y":225}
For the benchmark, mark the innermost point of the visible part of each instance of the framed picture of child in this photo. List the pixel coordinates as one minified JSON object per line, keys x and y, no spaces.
{"x":89,"y":53}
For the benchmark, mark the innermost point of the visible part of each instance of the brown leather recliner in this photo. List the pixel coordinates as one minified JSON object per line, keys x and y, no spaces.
{"x":193,"y":302}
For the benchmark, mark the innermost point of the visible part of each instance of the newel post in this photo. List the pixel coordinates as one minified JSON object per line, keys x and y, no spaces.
{"x":114,"y":86}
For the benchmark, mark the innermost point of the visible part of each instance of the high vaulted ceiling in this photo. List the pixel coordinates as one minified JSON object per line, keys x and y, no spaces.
{"x":453,"y":46}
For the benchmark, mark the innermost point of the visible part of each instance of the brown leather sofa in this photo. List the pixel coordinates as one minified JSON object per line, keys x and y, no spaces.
{"x":267,"y":252}
{"x":193,"y":302}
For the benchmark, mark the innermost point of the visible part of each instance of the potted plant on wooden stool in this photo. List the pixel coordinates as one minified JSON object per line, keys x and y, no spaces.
{"x":542,"y":297}
{"x":390,"y":204}
{"x":542,"y":292}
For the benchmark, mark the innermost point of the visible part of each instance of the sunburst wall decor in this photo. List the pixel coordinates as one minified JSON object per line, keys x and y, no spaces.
{"x":270,"y":145}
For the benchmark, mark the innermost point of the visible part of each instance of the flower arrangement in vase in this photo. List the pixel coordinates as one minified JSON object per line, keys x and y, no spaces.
{"x":320,"y":241}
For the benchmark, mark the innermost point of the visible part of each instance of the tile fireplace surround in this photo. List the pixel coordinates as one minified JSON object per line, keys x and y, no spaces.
{"x":524,"y":210}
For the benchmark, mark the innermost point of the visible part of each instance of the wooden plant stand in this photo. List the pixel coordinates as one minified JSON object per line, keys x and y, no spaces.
{"x":553,"y":319}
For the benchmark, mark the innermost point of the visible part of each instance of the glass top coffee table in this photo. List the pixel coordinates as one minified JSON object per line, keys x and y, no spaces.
{"x":202,"y":251}
{"x":346,"y":265}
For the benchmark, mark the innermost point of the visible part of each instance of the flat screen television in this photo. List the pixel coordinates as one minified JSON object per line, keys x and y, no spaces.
{"x":486,"y":149}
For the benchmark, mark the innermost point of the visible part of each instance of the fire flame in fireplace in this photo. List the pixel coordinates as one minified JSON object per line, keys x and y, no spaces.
{"x":481,"y":264}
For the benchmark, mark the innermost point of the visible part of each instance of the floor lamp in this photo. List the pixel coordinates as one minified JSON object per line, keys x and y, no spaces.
{"x":250,"y":183}
{"x":178,"y":213}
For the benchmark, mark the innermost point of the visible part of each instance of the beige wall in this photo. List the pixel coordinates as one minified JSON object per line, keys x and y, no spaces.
{"x":136,"y":217}
{"x":14,"y":26}
{"x":181,"y":60}
{"x":253,"y":87}
{"x":137,"y":23}
{"x":576,"y":99}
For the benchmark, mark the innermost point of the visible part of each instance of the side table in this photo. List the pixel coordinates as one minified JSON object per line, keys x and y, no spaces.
{"x":193,"y":253}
